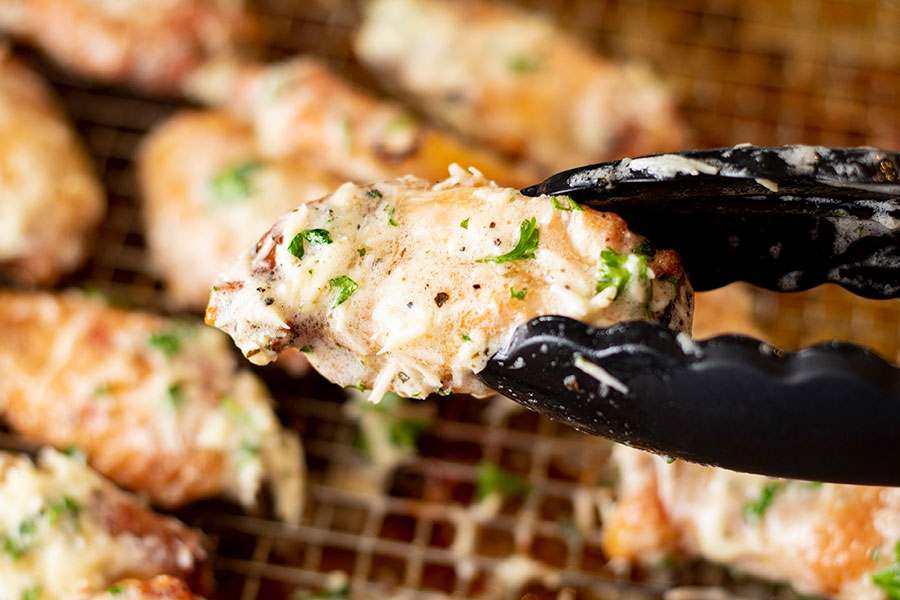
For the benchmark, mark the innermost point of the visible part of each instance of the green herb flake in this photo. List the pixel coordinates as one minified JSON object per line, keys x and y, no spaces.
{"x":361,"y":252}
{"x":360,"y":386}
{"x":102,"y":389}
{"x":888,"y":578}
{"x":117,"y":589}
{"x":246,"y":452}
{"x":492,"y":479}
{"x":27,"y":528}
{"x":464,"y":223}
{"x":175,"y":396}
{"x":567,"y":204}
{"x":442,"y":392}
{"x":645,"y":249}
{"x":466,"y":337}
{"x":235,"y":184}
{"x":374,"y":194}
{"x":75,"y":453}
{"x":32,"y":593}
{"x":615,"y":273}
{"x":66,"y":506}
{"x":754,"y":510}
{"x":11,"y":548}
{"x":319,"y":237}
{"x":404,"y":433}
{"x":336,"y":594}
{"x":669,"y":460}
{"x":523,"y":64}
{"x":346,"y":285}
{"x":307,"y":349}
{"x":518,"y":294}
{"x":167,"y":342}
{"x":529,"y":235}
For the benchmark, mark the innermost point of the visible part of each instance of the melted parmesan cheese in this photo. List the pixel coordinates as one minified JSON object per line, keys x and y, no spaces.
{"x":410,"y":297}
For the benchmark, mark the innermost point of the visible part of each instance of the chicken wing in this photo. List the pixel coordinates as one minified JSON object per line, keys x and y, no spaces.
{"x":409,"y":286}
{"x":66,"y":529}
{"x":50,"y":198}
{"x":300,"y":107}
{"x":824,"y":539}
{"x":152,"y":44}
{"x":158,"y":588}
{"x":517,"y":82}
{"x":208,"y":194}
{"x":156,"y":405}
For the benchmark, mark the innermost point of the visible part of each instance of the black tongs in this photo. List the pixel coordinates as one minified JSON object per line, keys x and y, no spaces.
{"x":786,"y":219}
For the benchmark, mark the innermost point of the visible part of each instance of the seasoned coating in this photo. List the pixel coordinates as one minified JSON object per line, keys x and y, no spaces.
{"x":151,"y":44}
{"x":824,"y":539}
{"x":156,"y":405}
{"x":409,"y":286}
{"x":50,"y":198}
{"x":517,"y":82}
{"x":66,"y":529}
{"x":208,"y":194}
{"x":158,"y":588}
{"x":299,"y":107}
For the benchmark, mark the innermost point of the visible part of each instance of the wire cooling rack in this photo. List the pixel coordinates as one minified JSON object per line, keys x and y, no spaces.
{"x":767,"y":72}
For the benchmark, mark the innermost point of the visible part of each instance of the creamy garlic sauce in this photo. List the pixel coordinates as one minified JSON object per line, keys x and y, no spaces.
{"x":52,"y":538}
{"x":410,"y":295}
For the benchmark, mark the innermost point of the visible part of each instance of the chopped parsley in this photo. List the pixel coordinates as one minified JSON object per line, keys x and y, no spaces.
{"x":32,"y":593}
{"x":167,"y":342}
{"x":494,"y":480}
{"x":65,"y":507}
{"x":246,"y":452}
{"x":518,"y":294}
{"x":645,"y":249}
{"x":614,"y":271}
{"x":361,"y":251}
{"x":346,"y":285}
{"x":11,"y":548}
{"x":75,"y":453}
{"x":117,"y":589}
{"x":888,"y":578}
{"x":175,"y":396}
{"x":404,"y":433}
{"x":523,"y":64}
{"x":466,"y":337}
{"x":390,"y":211}
{"x":373,"y":194}
{"x":317,"y":237}
{"x":754,"y":510}
{"x":464,"y":223}
{"x":235,"y":184}
{"x":307,"y":349}
{"x":102,"y":389}
{"x":343,"y":592}
{"x":529,"y":236}
{"x":567,"y":205}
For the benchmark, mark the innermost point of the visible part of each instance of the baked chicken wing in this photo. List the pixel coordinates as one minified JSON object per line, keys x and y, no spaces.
{"x":409,"y":286}
{"x":50,"y":198}
{"x":152,"y":44}
{"x":208,"y":194}
{"x":158,"y":406}
{"x":824,"y":539}
{"x":65,"y":529}
{"x":516,"y":82}
{"x":299,"y":107}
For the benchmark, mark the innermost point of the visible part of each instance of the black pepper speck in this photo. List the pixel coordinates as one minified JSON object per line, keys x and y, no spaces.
{"x":269,"y":301}
{"x":441,"y":298}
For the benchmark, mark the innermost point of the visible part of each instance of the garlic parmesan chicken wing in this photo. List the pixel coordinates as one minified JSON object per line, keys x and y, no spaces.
{"x":299,"y":107}
{"x":158,"y":406}
{"x":517,"y":82}
{"x":208,"y":194}
{"x":409,"y":286}
{"x":152,"y":44}
{"x":825,"y":539}
{"x":158,"y":588}
{"x":50,"y":198}
{"x":66,"y":530}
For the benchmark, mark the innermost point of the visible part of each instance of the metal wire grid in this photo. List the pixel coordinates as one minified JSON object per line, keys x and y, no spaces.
{"x":745,"y":72}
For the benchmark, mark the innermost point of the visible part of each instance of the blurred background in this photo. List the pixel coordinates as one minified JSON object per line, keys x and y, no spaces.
{"x":767,"y":72}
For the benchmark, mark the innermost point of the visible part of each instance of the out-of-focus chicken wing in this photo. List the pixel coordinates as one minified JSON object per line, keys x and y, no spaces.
{"x":156,"y":405}
{"x":409,"y":286}
{"x":517,"y":82}
{"x":208,"y":194}
{"x":49,"y":195}
{"x":826,"y":539}
{"x":300,"y":107}
{"x":65,"y":529}
{"x":153,"y":44}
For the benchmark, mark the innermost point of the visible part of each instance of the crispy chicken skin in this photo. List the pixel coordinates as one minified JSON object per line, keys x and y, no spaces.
{"x":409,"y":286}
{"x":824,"y":539}
{"x":50,"y":198}
{"x":151,"y":44}
{"x":67,"y":530}
{"x":517,"y":82}
{"x":208,"y":194}
{"x":299,"y":107}
{"x":156,"y":405}
{"x":163,"y":587}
